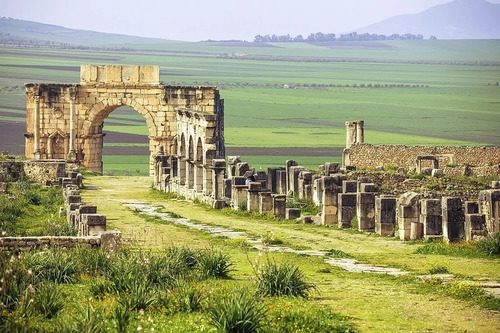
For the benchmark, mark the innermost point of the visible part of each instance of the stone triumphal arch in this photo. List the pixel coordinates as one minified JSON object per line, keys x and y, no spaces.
{"x":185,"y":123}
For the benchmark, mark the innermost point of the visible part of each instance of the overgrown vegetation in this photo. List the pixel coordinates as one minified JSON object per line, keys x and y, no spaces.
{"x":134,"y":290}
{"x":31,"y":210}
{"x":485,"y":247}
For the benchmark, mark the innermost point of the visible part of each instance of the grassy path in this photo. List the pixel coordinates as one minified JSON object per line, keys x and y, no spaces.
{"x":376,"y":303}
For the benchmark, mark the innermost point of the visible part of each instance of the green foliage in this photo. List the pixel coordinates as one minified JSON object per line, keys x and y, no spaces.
{"x":270,"y":239}
{"x":54,"y":265}
{"x":292,"y":316}
{"x":307,"y":207}
{"x":10,"y":212}
{"x":121,"y":318}
{"x":15,"y":279}
{"x":138,"y":295}
{"x":93,"y":261}
{"x":283,"y":279}
{"x":452,"y":249}
{"x":189,"y":298}
{"x":490,"y":245}
{"x":89,"y":320}
{"x":99,"y":287}
{"x":213,"y":263}
{"x":48,"y":300}
{"x":334,"y":253}
{"x":238,"y":312}
{"x":437,"y":269}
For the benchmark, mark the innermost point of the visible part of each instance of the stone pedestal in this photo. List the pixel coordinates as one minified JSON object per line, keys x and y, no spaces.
{"x":292,"y":213}
{"x":489,"y":201}
{"x":347,"y":209}
{"x":475,"y":226}
{"x":279,"y":205}
{"x":265,"y":202}
{"x":253,"y":196}
{"x":430,"y":217}
{"x":385,"y":215}
{"x":453,"y":219}
{"x":239,"y":197}
{"x":365,"y":211}
{"x":329,"y":206}
{"x":408,"y":212}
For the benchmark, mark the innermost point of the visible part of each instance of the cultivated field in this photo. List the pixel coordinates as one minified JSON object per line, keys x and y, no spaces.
{"x":290,"y":100}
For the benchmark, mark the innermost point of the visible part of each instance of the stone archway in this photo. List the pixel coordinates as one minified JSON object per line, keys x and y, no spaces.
{"x":77,"y":111}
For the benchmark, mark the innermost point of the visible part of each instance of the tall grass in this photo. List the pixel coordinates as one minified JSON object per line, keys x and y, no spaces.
{"x":213,"y":263}
{"x":283,"y":279}
{"x":239,"y":312}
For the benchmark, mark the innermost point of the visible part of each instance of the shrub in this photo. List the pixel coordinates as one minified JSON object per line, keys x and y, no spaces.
{"x":213,"y":263}
{"x":438,"y":270}
{"x":138,"y":295}
{"x":99,"y":287}
{"x":15,"y":280}
{"x":489,"y":245}
{"x":121,"y":318}
{"x":189,"y":298}
{"x":48,"y":300}
{"x":282,"y":280}
{"x":93,"y":261}
{"x":184,"y":255}
{"x":33,"y":197}
{"x":237,"y":313}
{"x":55,"y":266}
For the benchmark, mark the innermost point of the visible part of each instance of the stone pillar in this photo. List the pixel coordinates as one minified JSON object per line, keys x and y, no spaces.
{"x":489,"y":205}
{"x":350,"y":128}
{"x":293,"y":179}
{"x":329,"y":207}
{"x":72,"y":125}
{"x":347,"y":209}
{"x":430,"y":218}
{"x":218,"y":169}
{"x":198,"y":177}
{"x":292,"y":213}
{"x":228,"y":186}
{"x":254,"y":189}
{"x":365,"y":207}
{"x":272,"y":179}
{"x":453,"y":219}
{"x":317,"y":191}
{"x":349,"y":186}
{"x":360,"y":131}
{"x":385,"y":215}
{"x":408,"y":212}
{"x":289,"y":164}
{"x":279,"y":206}
{"x":305,"y":179}
{"x":182,"y":170}
{"x":281,"y":181}
{"x":475,"y":226}
{"x":36,"y":129}
{"x":265,"y":202}
{"x":231,"y":165}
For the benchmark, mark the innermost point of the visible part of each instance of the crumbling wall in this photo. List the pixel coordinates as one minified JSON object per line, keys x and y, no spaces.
{"x":482,"y":160}
{"x":42,"y":171}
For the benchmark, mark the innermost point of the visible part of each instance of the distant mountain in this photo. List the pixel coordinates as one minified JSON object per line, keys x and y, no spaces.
{"x":459,"y":19}
{"x":27,"y":30}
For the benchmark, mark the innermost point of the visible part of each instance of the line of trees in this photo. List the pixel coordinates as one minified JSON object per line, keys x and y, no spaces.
{"x":330,"y":37}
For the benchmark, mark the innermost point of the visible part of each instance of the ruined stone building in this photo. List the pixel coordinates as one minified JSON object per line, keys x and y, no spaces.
{"x":185,"y":123}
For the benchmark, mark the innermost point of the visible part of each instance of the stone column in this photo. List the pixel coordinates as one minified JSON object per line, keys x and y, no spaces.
{"x":453,"y":219}
{"x":279,"y":206}
{"x":347,"y":209}
{"x":219,"y":166}
{"x":489,"y":205}
{"x":350,"y":128}
{"x":36,"y":129}
{"x":72,"y":125}
{"x":430,"y":218}
{"x":385,"y":215}
{"x":265,"y":202}
{"x":254,"y":189}
{"x":360,"y":131}
{"x":289,"y":164}
{"x":365,"y":210}
{"x":408,"y":212}
{"x":329,"y":208}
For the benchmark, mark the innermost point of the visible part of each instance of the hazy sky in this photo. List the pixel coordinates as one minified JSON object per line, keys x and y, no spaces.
{"x":212,"y":19}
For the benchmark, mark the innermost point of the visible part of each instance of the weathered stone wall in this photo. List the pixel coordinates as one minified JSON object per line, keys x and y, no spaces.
{"x":44,"y":242}
{"x":41,"y":171}
{"x":483,"y":160}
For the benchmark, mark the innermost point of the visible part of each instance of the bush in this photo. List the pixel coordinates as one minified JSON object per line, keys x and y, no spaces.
{"x":99,"y":287}
{"x":94,"y":261}
{"x":139,"y":295}
{"x":33,"y":197}
{"x":438,"y":270}
{"x":489,"y":245}
{"x":55,"y":266}
{"x":121,"y":318}
{"x":48,"y":300}
{"x":282,"y":280}
{"x":237,"y":313}
{"x":213,"y":263}
{"x":189,"y":298}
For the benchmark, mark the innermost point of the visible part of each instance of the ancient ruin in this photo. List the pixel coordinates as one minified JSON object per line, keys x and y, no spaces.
{"x":65,"y":121}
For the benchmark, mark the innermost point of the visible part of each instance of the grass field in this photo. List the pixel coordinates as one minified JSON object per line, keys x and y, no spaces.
{"x":296,"y":95}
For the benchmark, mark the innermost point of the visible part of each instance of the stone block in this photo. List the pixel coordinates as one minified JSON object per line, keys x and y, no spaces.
{"x":430,"y":207}
{"x":433,"y":224}
{"x":385,"y":229}
{"x":87,"y":209}
{"x":471,"y":207}
{"x":73,"y":199}
{"x":368,"y":188}
{"x":349,"y":186}
{"x":308,"y":219}
{"x":365,"y":211}
{"x":279,"y":206}
{"x":292,"y":213}
{"x":255,"y":186}
{"x":265,"y":202}
{"x":453,"y":219}
{"x":346,"y":209}
{"x":489,"y":202}
{"x":416,"y":231}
